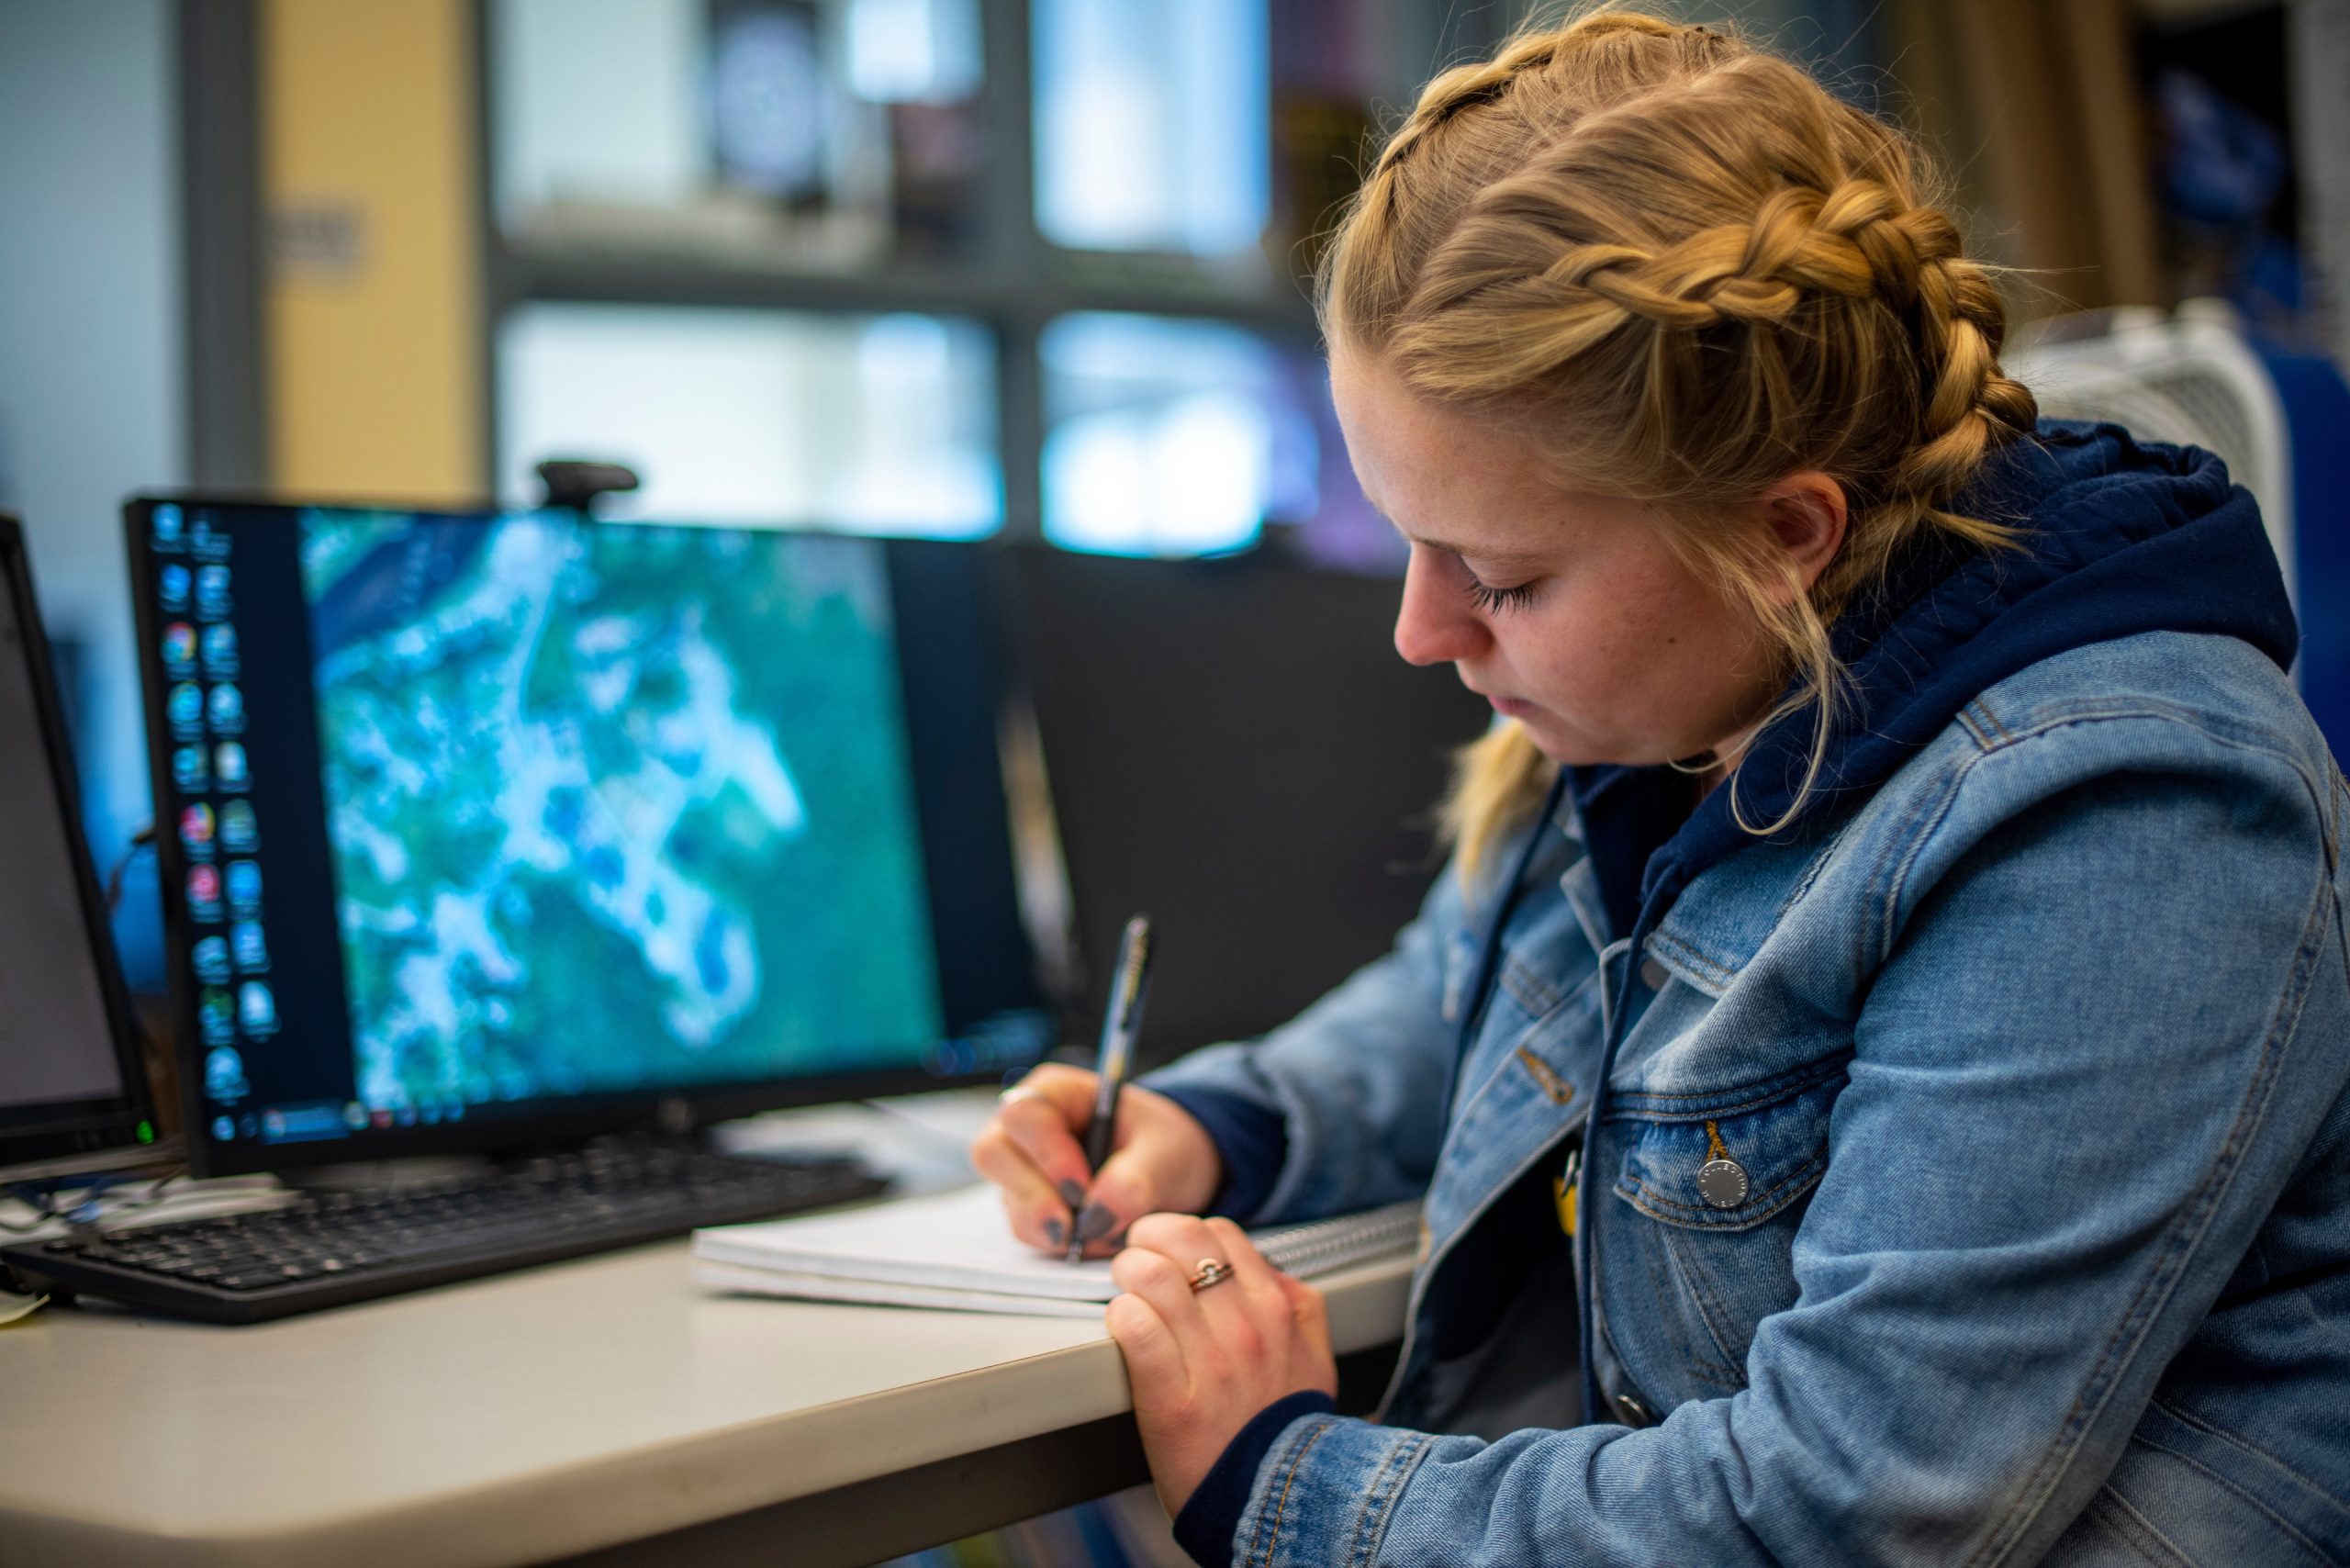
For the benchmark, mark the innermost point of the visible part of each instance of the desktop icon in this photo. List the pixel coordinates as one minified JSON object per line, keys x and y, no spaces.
{"x":204,"y":893}
{"x":404,"y":1115}
{"x":197,"y":826}
{"x":172,"y":586}
{"x":208,"y":542}
{"x":226,"y":707}
{"x":212,"y":961}
{"x":223,"y":1129}
{"x":229,"y":760}
{"x":179,"y":650}
{"x":239,"y":830}
{"x":215,"y":1019}
{"x":221,"y":650}
{"x":248,"y":1125}
{"x":256,"y":1008}
{"x":224,"y":1076}
{"x":273,"y":1124}
{"x":212,"y":601}
{"x":184,"y":708}
{"x":244,"y":886}
{"x":251,"y":949}
{"x":189,"y":770}
{"x":354,"y":1116}
{"x":170,"y":528}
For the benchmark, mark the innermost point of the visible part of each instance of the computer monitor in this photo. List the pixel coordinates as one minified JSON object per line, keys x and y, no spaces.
{"x":481,"y":832}
{"x":72,"y":1093}
{"x":1234,"y":747}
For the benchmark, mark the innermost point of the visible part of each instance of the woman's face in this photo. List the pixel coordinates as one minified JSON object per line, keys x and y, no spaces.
{"x":1567,"y":610}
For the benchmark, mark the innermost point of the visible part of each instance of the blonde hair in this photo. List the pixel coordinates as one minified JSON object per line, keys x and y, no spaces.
{"x":1699,"y":272}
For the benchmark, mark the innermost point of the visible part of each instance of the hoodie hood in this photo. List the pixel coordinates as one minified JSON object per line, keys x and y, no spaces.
{"x":2117,"y":538}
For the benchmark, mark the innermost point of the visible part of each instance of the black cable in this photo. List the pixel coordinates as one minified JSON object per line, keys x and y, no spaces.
{"x":154,"y":1195}
{"x":143,"y":839}
{"x":92,"y":1209}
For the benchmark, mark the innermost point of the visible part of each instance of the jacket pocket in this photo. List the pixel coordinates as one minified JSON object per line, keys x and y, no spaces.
{"x":1714,"y":1186}
{"x":1775,"y":1134}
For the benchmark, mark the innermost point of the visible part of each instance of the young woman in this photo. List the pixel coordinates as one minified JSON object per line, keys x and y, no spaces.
{"x":1876,"y":1068}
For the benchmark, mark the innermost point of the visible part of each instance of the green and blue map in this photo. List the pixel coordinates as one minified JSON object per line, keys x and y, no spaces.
{"x":613,"y":805}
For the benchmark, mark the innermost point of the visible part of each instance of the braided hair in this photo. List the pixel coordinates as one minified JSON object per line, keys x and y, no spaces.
{"x":1702,"y":273}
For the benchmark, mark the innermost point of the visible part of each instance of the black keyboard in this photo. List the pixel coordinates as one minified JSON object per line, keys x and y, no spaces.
{"x":331,"y":1248}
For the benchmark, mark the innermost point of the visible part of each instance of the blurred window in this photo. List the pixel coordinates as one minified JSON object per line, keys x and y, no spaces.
{"x":821,"y":133}
{"x":913,"y":51}
{"x":1187,"y":155}
{"x":1174,"y":437}
{"x":1152,"y":124}
{"x":881,"y":424}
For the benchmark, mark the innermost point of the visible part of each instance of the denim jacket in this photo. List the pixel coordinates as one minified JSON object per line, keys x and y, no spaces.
{"x":1960,"y":1176}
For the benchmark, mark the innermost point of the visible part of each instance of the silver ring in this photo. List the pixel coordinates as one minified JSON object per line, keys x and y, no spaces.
{"x":1209,"y":1271}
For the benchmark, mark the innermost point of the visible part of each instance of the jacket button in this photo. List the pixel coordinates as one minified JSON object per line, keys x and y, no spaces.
{"x":1634,"y":1413}
{"x":1653,"y":975}
{"x":1722,"y":1182}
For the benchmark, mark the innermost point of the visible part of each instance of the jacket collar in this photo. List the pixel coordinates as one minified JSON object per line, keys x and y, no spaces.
{"x":2117,"y":538}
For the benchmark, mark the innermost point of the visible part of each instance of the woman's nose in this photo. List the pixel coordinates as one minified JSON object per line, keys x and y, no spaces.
{"x":1436,"y":624}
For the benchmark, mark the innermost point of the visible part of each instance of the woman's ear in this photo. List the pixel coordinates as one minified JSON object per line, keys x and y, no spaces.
{"x":1807,"y":512}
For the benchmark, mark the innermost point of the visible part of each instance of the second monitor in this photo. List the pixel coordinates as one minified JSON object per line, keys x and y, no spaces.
{"x":479,"y":832}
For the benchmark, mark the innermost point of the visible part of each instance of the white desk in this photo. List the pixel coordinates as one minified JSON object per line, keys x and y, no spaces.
{"x":572,"y":1409}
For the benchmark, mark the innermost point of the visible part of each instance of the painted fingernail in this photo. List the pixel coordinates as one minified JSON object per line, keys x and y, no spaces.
{"x":1056,"y":1233}
{"x":1095,"y":1223}
{"x":1072,"y":1192}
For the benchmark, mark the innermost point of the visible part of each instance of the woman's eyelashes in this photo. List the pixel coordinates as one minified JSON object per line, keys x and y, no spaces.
{"x":1492,"y":599}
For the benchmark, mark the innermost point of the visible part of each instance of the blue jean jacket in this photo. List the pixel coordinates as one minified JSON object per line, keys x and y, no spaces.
{"x":2031,"y":1069}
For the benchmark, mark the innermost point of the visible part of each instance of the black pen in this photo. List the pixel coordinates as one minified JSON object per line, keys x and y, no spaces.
{"x":1119,"y":1027}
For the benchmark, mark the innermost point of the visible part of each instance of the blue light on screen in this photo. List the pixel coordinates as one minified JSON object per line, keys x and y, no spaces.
{"x":1153,"y":124}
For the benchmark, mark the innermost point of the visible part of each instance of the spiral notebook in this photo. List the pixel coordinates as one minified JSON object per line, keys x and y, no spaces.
{"x":952,"y":1250}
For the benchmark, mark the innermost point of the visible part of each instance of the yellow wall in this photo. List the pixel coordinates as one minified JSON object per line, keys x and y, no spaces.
{"x":367,"y":112}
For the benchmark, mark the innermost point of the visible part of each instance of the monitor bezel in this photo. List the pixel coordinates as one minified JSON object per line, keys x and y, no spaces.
{"x":80,"y":1134}
{"x":548,"y":1124}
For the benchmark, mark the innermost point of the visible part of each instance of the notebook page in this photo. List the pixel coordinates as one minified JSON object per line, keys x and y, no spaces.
{"x":959,"y":1241}
{"x":956,"y":1240}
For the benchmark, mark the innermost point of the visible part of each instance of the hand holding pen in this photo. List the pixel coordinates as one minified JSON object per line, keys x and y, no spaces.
{"x":1128,"y":990}
{"x":1147,"y":1156}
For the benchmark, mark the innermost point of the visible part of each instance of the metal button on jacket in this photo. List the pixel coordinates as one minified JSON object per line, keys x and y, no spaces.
{"x":1653,"y":975}
{"x":1633,"y":1412}
{"x":1722,"y":1182}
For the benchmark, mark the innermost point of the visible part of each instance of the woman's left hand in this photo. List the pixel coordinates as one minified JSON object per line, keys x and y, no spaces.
{"x":1203,"y":1362}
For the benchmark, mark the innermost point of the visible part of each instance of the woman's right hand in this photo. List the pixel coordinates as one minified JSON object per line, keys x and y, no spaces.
{"x":1161,"y":1160}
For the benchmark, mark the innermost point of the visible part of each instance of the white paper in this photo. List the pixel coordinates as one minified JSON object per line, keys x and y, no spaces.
{"x":959,"y":1241}
{"x":956,"y":1240}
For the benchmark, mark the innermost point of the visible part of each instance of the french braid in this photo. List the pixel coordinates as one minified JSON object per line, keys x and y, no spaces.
{"x":1710,"y":273}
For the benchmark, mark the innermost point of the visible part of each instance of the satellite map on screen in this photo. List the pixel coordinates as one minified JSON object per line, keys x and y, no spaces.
{"x":613,"y":805}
